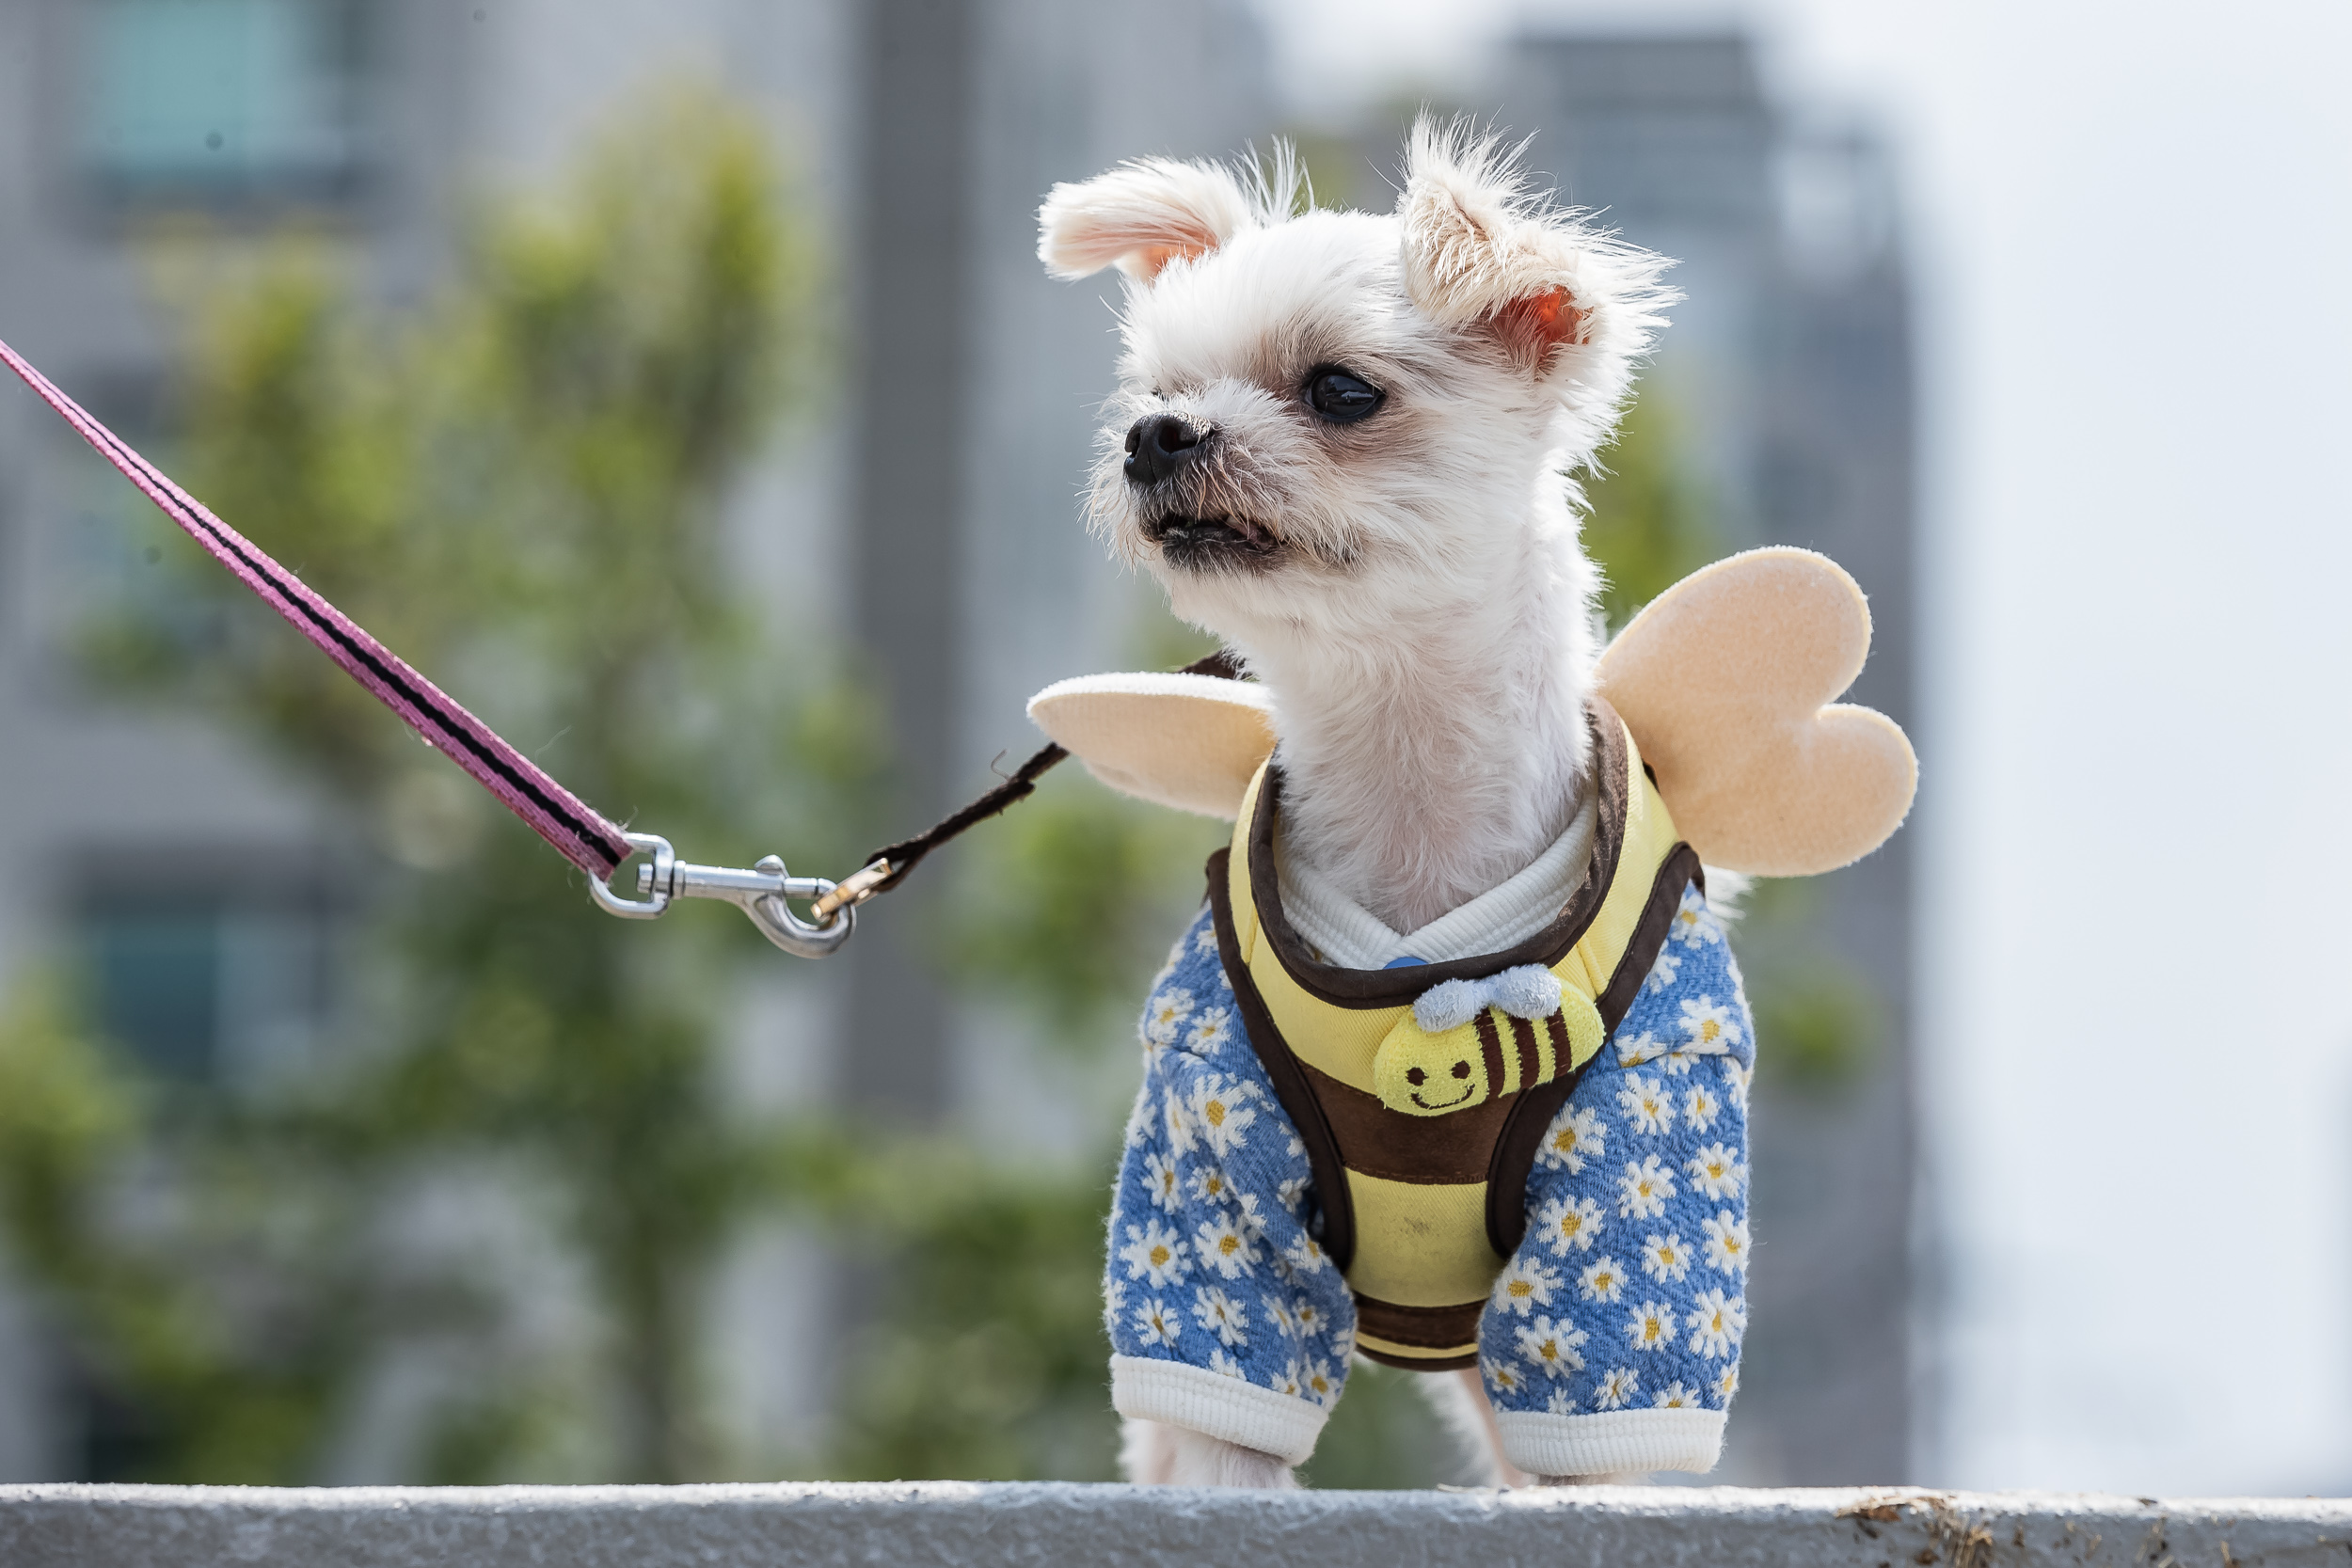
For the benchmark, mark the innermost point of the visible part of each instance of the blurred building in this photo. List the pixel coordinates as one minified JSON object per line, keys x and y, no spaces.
{"x":928,"y":511}
{"x":1787,"y":372}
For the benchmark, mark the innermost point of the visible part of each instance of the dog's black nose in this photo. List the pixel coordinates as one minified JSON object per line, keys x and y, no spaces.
{"x":1159,"y":444}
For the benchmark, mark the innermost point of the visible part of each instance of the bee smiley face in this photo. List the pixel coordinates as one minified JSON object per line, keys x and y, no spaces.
{"x":1422,"y":1090}
{"x":1426,"y":1074}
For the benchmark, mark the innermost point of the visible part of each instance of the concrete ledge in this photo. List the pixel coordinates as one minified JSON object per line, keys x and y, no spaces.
{"x":949,"y":1522}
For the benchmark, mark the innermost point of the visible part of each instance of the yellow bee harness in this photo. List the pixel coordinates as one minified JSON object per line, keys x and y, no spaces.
{"x":1420,"y":1140}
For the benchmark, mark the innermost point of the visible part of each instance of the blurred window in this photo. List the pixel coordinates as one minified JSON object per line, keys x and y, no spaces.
{"x":157,"y":979}
{"x":204,"y":993}
{"x":219,"y":97}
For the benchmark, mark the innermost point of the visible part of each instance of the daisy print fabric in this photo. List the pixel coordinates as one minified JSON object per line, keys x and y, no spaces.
{"x":1611,"y":1340}
{"x":1624,"y":1308}
{"x":1212,"y":1269}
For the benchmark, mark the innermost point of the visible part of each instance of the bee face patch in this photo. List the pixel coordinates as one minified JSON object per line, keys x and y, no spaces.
{"x":1426,"y":1075}
{"x":1467,"y":1041}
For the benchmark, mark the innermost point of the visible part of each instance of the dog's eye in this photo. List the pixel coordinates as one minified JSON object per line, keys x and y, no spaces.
{"x":1339,"y":397}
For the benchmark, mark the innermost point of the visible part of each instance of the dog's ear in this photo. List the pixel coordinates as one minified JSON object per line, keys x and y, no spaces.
{"x":1482,"y":253}
{"x":1139,"y":217}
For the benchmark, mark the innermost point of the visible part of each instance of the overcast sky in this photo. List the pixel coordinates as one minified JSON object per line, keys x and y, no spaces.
{"x":2132,"y":227}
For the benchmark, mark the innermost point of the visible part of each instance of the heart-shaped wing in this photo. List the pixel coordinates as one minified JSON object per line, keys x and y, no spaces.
{"x":1188,"y":741}
{"x":1729,"y":681}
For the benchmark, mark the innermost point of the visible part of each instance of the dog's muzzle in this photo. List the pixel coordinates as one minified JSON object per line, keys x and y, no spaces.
{"x":1164,"y":451}
{"x":1188,"y":541}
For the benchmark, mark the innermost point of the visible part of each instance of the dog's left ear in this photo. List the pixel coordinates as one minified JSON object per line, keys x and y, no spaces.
{"x":1139,"y":217}
{"x":1480,"y":253}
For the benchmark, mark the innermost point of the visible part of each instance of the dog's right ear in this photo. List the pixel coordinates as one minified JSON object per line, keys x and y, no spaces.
{"x":1139,"y":217}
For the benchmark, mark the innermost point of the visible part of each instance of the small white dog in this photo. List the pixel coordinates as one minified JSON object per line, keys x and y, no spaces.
{"x":1345,"y":443}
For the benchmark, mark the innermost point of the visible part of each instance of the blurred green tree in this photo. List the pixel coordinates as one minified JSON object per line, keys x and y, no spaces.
{"x":519,"y":487}
{"x":1649,"y":524}
{"x":985,"y":1358}
{"x":218,"y":1294}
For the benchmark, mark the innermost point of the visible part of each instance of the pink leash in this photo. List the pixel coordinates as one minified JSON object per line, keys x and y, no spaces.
{"x":579,"y":832}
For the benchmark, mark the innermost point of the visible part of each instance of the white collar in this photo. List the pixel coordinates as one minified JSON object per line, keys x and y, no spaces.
{"x":1349,"y":935}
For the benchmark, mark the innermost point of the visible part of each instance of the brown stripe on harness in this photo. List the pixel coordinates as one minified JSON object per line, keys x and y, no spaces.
{"x":1377,"y":1141}
{"x":1532,"y":1113}
{"x":1288,"y":1074}
{"x":1422,"y":1327}
{"x":1531,"y":1055}
{"x":1563,"y":1049}
{"x":1498,"y":1080}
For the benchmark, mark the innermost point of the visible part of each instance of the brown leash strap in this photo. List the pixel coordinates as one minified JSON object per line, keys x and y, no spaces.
{"x":889,"y":865}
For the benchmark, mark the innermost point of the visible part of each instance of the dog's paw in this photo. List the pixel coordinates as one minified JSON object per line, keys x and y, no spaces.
{"x":1153,"y":1453}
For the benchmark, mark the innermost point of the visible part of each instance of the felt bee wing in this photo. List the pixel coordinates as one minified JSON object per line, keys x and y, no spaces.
{"x":1189,"y":742}
{"x":1728,"y":681}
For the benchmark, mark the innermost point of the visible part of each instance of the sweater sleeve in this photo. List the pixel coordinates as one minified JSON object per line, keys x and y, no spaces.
{"x":1225,"y":1315}
{"x":1612,"y":1340}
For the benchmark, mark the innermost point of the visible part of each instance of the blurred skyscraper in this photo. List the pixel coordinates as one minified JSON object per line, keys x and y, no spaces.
{"x":1788,"y":369}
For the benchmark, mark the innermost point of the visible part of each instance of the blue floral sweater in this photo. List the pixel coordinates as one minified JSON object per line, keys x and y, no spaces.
{"x":1611,"y":1339}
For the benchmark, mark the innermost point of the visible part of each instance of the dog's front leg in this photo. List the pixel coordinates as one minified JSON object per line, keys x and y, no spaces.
{"x":1460,"y":1401}
{"x":1230,"y":1325}
{"x":1611,"y":1342}
{"x":1154,"y":1453}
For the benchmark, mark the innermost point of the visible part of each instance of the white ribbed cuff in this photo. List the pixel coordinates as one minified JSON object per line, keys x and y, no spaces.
{"x":1215,"y":1406}
{"x":1611,"y":1441}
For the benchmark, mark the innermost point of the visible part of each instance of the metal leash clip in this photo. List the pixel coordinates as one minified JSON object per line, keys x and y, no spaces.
{"x":760,"y":892}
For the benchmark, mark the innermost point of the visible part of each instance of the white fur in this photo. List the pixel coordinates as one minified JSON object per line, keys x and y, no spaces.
{"x":1414,"y":597}
{"x":1459,"y":1403}
{"x":1150,"y":212}
{"x":1153,"y":1453}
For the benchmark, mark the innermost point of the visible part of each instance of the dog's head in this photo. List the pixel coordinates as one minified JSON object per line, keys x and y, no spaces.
{"x":1329,"y":419}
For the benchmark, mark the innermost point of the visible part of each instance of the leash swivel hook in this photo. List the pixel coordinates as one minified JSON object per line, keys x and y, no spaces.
{"x":760,"y":892}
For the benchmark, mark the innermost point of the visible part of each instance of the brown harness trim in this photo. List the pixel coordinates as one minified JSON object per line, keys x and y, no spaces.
{"x":1428,"y":1149}
{"x":1531,"y":1116}
{"x":1394,"y":1146}
{"x":1434,"y":1327}
{"x":1394,"y":987}
{"x":1288,"y":1075}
